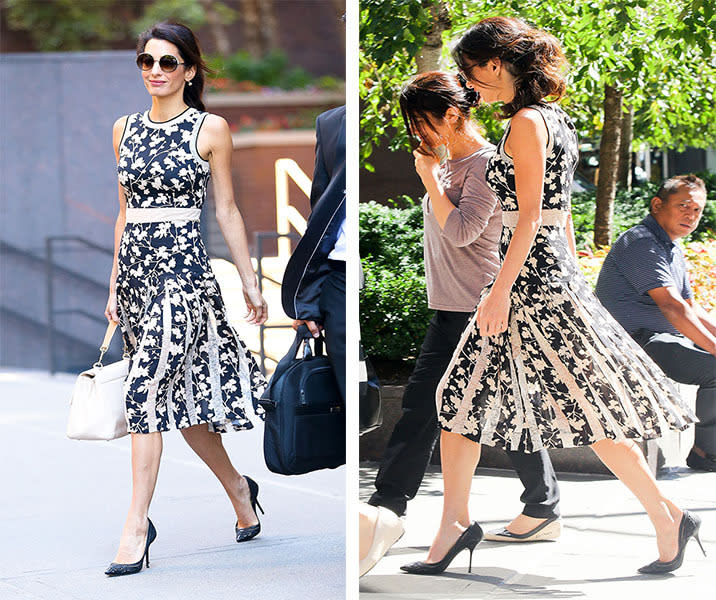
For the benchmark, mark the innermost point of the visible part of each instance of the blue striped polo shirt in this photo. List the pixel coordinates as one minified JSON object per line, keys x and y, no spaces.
{"x":643,"y":258}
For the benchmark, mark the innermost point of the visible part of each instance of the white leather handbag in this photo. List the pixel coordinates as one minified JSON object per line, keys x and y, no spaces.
{"x":97,"y":409}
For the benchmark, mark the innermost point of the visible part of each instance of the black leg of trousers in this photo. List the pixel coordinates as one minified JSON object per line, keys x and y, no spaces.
{"x":411,"y":445}
{"x":541,"y":495}
{"x":685,"y":362}
{"x":332,"y":305}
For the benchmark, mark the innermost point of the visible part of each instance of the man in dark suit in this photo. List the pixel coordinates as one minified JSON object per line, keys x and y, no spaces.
{"x":314,"y":284}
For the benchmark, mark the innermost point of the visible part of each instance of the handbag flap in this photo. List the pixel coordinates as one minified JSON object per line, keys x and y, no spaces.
{"x":116,"y":370}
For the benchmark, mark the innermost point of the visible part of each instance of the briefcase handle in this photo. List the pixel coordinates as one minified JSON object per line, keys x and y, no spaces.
{"x":306,"y":335}
{"x":303,"y":336}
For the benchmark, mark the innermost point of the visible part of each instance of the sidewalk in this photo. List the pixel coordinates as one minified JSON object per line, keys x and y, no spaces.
{"x":606,"y":537}
{"x":63,"y":504}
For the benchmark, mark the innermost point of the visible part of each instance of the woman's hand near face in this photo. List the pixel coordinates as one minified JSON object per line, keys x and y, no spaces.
{"x":426,"y":165}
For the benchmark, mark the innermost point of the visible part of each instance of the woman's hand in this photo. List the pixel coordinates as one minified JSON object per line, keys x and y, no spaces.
{"x":426,"y":165}
{"x":111,"y":310}
{"x":257,"y":312}
{"x":493,"y":313}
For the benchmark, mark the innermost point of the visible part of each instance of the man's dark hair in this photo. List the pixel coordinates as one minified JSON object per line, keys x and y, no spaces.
{"x":672,"y":185}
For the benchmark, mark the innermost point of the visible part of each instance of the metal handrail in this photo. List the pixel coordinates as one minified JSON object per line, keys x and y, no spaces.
{"x":260,"y":237}
{"x":50,"y":242}
{"x":287,"y":215}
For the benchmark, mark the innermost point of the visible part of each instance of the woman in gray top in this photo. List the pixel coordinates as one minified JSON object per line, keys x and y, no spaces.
{"x":462,"y":231}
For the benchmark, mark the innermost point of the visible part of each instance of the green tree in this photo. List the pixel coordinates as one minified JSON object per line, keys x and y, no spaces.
{"x":71,"y":24}
{"x":66,"y":25}
{"x":648,"y":58}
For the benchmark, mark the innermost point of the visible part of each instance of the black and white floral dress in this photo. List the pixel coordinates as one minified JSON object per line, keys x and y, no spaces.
{"x":187,"y":364}
{"x":564,"y":373}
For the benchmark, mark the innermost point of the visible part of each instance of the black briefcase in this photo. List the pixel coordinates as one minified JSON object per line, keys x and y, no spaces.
{"x":305,"y":427}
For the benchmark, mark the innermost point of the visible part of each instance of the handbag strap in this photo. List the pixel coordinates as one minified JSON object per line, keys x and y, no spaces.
{"x":111,"y":327}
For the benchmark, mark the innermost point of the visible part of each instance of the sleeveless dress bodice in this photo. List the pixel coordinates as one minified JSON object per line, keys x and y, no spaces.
{"x":159,"y":164}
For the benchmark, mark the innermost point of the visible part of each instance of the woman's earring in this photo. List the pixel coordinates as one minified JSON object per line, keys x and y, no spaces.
{"x":188,"y":82}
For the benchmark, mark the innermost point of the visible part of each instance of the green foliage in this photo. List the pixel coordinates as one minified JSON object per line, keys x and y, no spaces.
{"x":658,"y":52}
{"x":630,"y":207}
{"x":67,"y":24}
{"x":272,"y":70}
{"x":391,"y":34}
{"x":189,"y":12}
{"x":393,"y":302}
{"x":392,"y":236}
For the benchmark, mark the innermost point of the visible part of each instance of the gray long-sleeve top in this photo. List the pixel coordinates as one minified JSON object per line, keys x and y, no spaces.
{"x":463,"y":257}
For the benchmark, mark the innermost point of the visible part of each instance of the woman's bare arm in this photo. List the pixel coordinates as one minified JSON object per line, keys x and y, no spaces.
{"x":215,"y":141}
{"x":528,"y":141}
{"x":111,"y":310}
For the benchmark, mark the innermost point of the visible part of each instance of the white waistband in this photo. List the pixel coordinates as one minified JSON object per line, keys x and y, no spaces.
{"x":550,"y":217}
{"x":155,"y":215}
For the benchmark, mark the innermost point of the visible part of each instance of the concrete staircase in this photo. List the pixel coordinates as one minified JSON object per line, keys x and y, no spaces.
{"x":24,"y":318}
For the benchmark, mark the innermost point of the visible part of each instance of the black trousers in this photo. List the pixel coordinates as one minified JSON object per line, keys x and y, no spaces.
{"x":411,"y":445}
{"x":685,"y":362}
{"x":332,"y":304}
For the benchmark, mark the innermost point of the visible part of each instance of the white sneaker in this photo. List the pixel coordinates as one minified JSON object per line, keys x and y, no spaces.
{"x":388,"y":530}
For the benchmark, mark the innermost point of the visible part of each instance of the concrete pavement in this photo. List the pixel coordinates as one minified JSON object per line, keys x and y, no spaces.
{"x":63,"y":504}
{"x":606,"y":537}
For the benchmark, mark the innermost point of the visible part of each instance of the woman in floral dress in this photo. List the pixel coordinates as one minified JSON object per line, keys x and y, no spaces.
{"x":188,"y":368}
{"x":542,"y":364}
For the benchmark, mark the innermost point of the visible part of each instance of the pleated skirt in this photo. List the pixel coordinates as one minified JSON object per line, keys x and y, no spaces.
{"x":563,"y":374}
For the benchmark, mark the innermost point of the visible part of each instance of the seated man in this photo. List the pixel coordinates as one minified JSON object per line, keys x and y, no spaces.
{"x":644,"y":284}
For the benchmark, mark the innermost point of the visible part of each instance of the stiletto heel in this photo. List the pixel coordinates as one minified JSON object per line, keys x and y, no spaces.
{"x":696,"y":535}
{"x":469,"y":538}
{"x":116,"y":569}
{"x":688,"y":528}
{"x":244,"y":534}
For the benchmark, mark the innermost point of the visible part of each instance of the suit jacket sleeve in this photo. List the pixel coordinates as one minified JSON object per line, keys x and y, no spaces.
{"x":321,"y":177}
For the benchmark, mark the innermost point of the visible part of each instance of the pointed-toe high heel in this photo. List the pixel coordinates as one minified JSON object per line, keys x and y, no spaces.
{"x":244,"y":534}
{"x":116,"y":569}
{"x":688,"y":528}
{"x":469,"y":538}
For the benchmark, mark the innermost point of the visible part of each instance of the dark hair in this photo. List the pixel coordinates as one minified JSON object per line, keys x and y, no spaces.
{"x":185,"y":41}
{"x":531,"y":55}
{"x":672,"y":185}
{"x":431,"y":94}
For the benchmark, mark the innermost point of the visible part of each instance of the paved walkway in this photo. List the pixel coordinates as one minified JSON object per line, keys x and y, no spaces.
{"x":606,"y":537}
{"x":63,"y":505}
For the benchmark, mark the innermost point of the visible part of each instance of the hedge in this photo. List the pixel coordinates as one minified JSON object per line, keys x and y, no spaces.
{"x":393,"y":302}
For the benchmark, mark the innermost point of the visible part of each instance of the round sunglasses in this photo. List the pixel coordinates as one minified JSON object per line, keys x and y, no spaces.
{"x":167,"y":63}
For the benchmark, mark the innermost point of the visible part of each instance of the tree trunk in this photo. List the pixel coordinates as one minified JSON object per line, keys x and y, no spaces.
{"x":428,"y":59}
{"x":216,"y":26}
{"x":627,"y":135}
{"x":608,"y":161}
{"x":250,"y":18}
{"x":267,"y":26}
